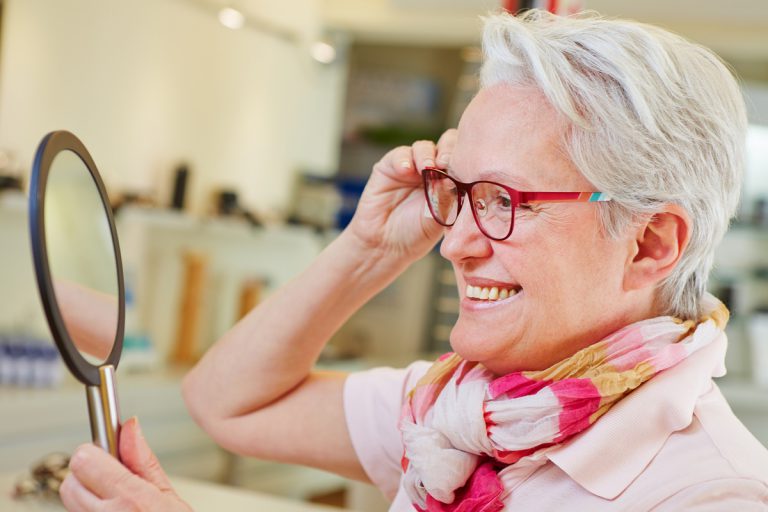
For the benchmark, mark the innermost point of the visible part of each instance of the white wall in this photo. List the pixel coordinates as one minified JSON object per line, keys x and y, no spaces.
{"x":756,"y":97}
{"x":400,"y":22}
{"x":20,"y":308}
{"x":756,"y":175}
{"x":149,"y":83}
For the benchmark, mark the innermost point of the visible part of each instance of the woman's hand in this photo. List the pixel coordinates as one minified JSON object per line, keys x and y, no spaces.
{"x":391,"y":213}
{"x":98,"y":482}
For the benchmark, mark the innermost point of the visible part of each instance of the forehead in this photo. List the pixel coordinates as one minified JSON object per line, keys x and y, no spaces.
{"x":512,"y":135}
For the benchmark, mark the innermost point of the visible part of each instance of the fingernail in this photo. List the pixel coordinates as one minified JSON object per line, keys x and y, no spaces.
{"x":78,"y":458}
{"x":429,"y":162}
{"x":405,"y":164}
{"x":443,"y":159}
{"x":137,"y":426}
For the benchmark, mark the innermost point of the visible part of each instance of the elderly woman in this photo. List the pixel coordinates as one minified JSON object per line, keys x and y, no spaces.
{"x":580,"y":203}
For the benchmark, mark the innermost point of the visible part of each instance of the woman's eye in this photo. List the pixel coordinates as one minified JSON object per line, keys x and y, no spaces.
{"x":504,"y":202}
{"x":527,"y":208}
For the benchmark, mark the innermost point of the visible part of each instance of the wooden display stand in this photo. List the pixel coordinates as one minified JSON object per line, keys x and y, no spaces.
{"x":185,"y":350}
{"x":250,"y":296}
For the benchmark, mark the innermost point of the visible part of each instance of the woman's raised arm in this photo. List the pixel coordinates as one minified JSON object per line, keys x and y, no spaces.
{"x":254,"y":391}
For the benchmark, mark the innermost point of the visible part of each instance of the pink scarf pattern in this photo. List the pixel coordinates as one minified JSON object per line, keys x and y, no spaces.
{"x":462,"y":425}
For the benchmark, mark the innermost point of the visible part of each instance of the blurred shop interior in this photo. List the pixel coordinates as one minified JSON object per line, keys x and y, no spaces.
{"x":234,"y":139}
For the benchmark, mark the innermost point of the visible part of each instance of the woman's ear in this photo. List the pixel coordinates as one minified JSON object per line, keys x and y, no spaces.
{"x":657,"y":247}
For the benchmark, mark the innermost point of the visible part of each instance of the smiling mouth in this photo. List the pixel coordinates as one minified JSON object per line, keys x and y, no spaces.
{"x":490,"y":294}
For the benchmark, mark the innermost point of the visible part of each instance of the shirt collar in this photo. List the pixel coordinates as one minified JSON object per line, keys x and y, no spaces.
{"x":610,"y":454}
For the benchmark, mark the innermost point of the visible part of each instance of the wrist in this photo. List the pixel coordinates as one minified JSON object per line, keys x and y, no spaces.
{"x":367,"y":262}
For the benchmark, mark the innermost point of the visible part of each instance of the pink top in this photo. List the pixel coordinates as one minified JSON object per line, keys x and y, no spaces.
{"x":672,"y":444}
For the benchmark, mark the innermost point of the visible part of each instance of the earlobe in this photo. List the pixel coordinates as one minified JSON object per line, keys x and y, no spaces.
{"x":657,"y":247}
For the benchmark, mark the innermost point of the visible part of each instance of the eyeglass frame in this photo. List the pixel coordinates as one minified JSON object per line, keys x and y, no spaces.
{"x":517,"y":197}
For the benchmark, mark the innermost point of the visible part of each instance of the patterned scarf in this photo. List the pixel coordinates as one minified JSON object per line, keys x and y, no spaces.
{"x":461,"y":425}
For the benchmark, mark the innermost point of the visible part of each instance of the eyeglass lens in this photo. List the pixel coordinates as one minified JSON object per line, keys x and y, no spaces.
{"x":492,"y":206}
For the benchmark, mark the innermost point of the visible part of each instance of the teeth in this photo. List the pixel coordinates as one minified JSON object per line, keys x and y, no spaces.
{"x":494,"y":293}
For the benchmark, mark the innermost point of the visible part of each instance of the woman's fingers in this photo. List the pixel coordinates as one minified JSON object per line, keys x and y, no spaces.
{"x":138,"y":456}
{"x":399,"y":160}
{"x":445,"y":147}
{"x":424,"y":154}
{"x":98,"y":482}
{"x":102,"y":474}
{"x":404,"y":163}
{"x":428,"y":154}
{"x":76,"y":498}
{"x":397,"y":166}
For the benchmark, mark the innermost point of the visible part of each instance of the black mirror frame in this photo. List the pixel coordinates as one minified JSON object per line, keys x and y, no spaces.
{"x":51,"y":145}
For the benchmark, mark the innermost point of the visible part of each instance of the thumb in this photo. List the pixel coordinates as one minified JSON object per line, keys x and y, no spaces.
{"x":137,"y":456}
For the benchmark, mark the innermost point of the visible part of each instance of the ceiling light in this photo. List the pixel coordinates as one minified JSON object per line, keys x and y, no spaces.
{"x":231,"y":18}
{"x":323,"y":52}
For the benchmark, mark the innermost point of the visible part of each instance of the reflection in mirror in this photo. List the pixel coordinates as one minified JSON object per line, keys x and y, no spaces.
{"x":81,"y":257}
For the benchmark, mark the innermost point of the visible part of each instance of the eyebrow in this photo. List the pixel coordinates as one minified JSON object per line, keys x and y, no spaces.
{"x":506,"y":179}
{"x":501,"y":177}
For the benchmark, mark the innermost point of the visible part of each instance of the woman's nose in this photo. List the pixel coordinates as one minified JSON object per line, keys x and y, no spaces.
{"x":464,"y":239}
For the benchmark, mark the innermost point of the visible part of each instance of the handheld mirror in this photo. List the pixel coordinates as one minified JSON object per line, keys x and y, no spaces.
{"x":79,"y":273}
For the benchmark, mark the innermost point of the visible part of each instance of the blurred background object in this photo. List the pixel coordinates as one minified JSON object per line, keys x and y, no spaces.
{"x":45,"y":478}
{"x":243,"y":133}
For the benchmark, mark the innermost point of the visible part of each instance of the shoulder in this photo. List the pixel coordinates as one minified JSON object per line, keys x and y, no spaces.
{"x":652,"y":447}
{"x":391,"y":384}
{"x":740,"y":452}
{"x":742,"y":494}
{"x":713,"y":464}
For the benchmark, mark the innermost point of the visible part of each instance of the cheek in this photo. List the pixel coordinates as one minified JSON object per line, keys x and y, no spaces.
{"x":575,"y":270}
{"x":589,"y":282}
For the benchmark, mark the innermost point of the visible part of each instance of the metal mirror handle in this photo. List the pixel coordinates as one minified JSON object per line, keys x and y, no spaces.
{"x":104,"y":412}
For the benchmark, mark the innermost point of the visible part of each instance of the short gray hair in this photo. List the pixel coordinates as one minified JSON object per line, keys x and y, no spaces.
{"x":653,"y":119}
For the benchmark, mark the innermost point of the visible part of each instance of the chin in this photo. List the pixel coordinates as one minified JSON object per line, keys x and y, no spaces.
{"x":473,"y":346}
{"x":500,"y":355}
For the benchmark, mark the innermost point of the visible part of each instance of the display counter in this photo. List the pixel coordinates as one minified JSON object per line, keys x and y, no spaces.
{"x":202,"y":497}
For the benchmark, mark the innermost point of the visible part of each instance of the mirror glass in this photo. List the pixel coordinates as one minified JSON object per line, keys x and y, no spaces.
{"x":81,"y":257}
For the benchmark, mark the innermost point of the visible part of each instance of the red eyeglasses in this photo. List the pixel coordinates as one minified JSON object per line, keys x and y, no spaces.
{"x":493,"y":204}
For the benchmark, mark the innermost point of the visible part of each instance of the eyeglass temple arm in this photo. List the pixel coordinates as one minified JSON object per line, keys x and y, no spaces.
{"x":562,"y":197}
{"x":534,"y":197}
